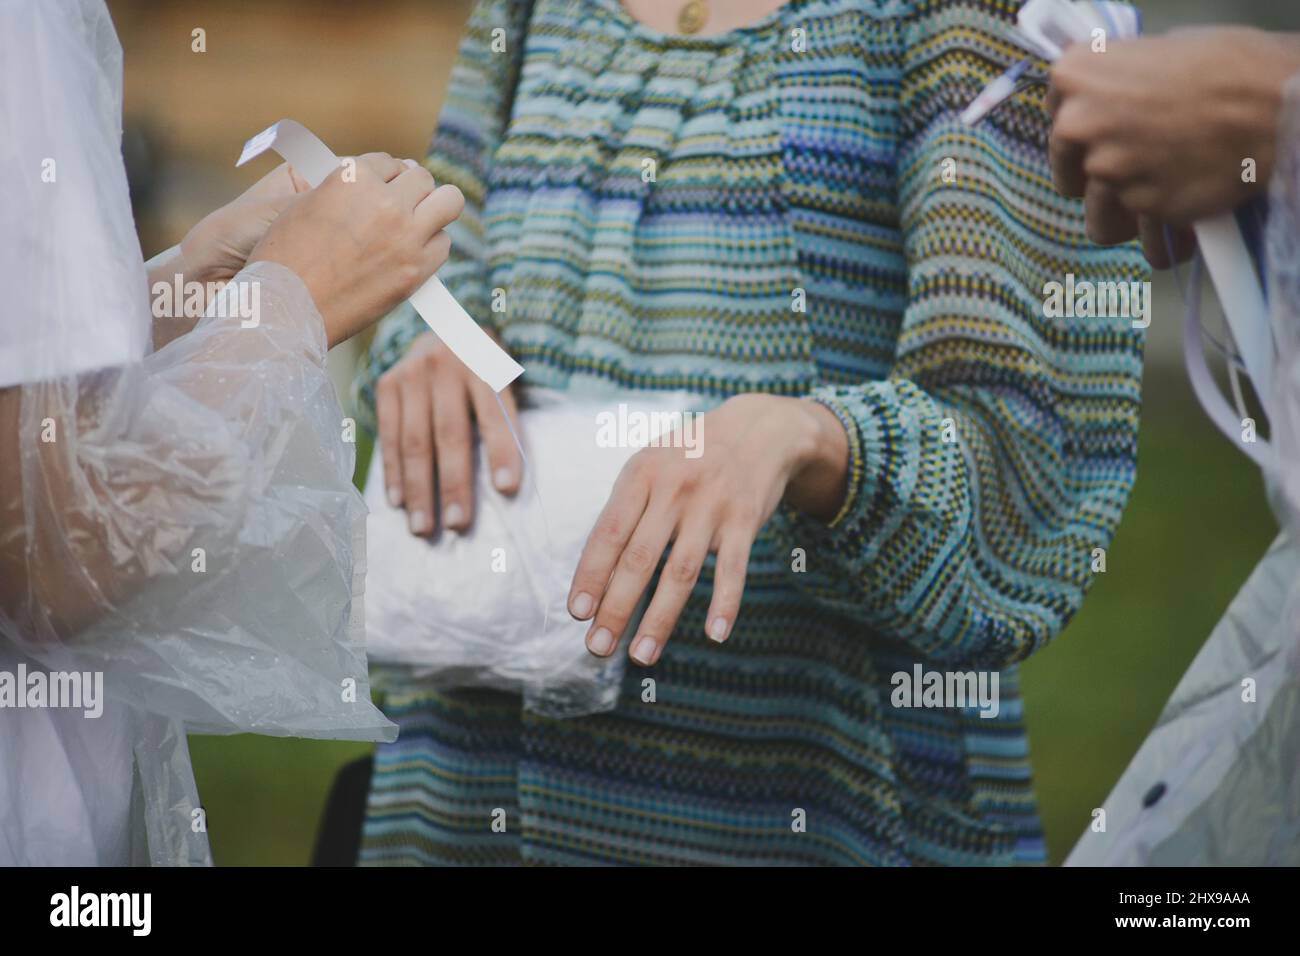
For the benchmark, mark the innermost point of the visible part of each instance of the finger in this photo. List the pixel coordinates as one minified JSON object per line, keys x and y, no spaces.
{"x":1054,"y":97}
{"x":1183,"y":241}
{"x":728,"y":583}
{"x":382,"y":165}
{"x":300,"y":185}
{"x":1152,"y":233}
{"x":439,"y":209}
{"x":453,"y":440}
{"x":388,"y":411}
{"x":503,"y":457}
{"x":609,"y":536}
{"x":412,"y":186}
{"x":416,"y":432}
{"x":633,"y":570}
{"x":676,"y":582}
{"x":1108,"y":222}
{"x":1067,"y":158}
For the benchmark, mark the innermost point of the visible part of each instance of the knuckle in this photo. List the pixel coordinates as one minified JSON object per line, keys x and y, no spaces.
{"x":608,"y":531}
{"x":683,"y":571}
{"x":1107,"y":164}
{"x":1142,"y":201}
{"x":639,"y":558}
{"x":453,"y":491}
{"x":639,"y":462}
{"x":431,"y":359}
{"x":416,"y":444}
{"x":614,"y":618}
{"x":452,"y":427}
{"x":409,"y":275}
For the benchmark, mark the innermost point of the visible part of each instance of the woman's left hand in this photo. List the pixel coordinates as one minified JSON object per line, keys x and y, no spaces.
{"x":755,"y":450}
{"x":215,"y":249}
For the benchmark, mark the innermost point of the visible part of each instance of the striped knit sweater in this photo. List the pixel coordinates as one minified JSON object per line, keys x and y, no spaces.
{"x":774,"y":210}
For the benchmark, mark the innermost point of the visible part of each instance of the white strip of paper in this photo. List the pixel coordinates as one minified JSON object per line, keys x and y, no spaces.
{"x":314,"y":161}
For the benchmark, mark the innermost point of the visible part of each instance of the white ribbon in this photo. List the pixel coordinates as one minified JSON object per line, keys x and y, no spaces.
{"x":314,"y":161}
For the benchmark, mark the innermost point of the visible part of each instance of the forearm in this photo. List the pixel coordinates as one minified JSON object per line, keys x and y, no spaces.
{"x":107,"y":479}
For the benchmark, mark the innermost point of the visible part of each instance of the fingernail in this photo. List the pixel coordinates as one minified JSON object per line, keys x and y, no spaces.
{"x":453,"y":516}
{"x":645,"y":650}
{"x":600,"y":642}
{"x":581,"y":607}
{"x":395,"y":497}
{"x":503,"y":478}
{"x":718,"y":630}
{"x":419,"y":522}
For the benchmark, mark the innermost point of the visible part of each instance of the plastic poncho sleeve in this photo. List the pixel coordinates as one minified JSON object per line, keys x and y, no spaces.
{"x":183,"y":521}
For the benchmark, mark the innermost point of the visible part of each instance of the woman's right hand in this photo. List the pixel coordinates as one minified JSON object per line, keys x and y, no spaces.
{"x":427,"y":404}
{"x":364,"y":243}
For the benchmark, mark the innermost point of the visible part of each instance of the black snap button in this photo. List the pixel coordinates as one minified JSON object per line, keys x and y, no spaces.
{"x":1153,"y":795}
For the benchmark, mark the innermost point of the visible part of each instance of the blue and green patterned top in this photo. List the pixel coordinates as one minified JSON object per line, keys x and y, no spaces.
{"x":791,"y":207}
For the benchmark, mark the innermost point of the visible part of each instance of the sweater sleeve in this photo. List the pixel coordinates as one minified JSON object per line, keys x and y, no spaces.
{"x":999,"y":451}
{"x":473,"y":121}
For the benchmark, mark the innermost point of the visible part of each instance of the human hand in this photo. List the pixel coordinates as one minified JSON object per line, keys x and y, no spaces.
{"x":757,"y":449}
{"x":218,"y":245}
{"x":1156,"y":130}
{"x":427,"y":404}
{"x":362,"y":245}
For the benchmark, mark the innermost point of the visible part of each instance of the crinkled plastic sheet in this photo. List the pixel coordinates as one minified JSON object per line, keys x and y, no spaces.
{"x":489,"y":608}
{"x":1218,"y":780}
{"x":191,"y":531}
{"x":183,"y":521}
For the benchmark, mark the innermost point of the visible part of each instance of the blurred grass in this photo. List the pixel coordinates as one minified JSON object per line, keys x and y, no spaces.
{"x":1196,"y":524}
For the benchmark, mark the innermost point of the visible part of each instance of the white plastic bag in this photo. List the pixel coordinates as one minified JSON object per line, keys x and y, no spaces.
{"x":488,"y":608}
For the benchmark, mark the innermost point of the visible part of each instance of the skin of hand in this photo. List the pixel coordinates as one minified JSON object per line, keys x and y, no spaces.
{"x":217,"y":247}
{"x":363,"y":243}
{"x":1155,"y":130}
{"x":757,"y":450}
{"x":427,"y":405}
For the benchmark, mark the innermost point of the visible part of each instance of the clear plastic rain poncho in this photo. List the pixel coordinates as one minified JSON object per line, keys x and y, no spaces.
{"x":181,"y":522}
{"x":1217,"y":782}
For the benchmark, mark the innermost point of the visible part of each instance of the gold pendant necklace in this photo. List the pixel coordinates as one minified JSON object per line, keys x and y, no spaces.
{"x":692,"y":17}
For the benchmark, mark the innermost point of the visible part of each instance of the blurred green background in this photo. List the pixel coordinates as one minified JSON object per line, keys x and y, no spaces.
{"x":370,"y":76}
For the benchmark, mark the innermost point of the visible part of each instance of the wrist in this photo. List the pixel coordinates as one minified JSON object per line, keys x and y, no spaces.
{"x":820,"y":461}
